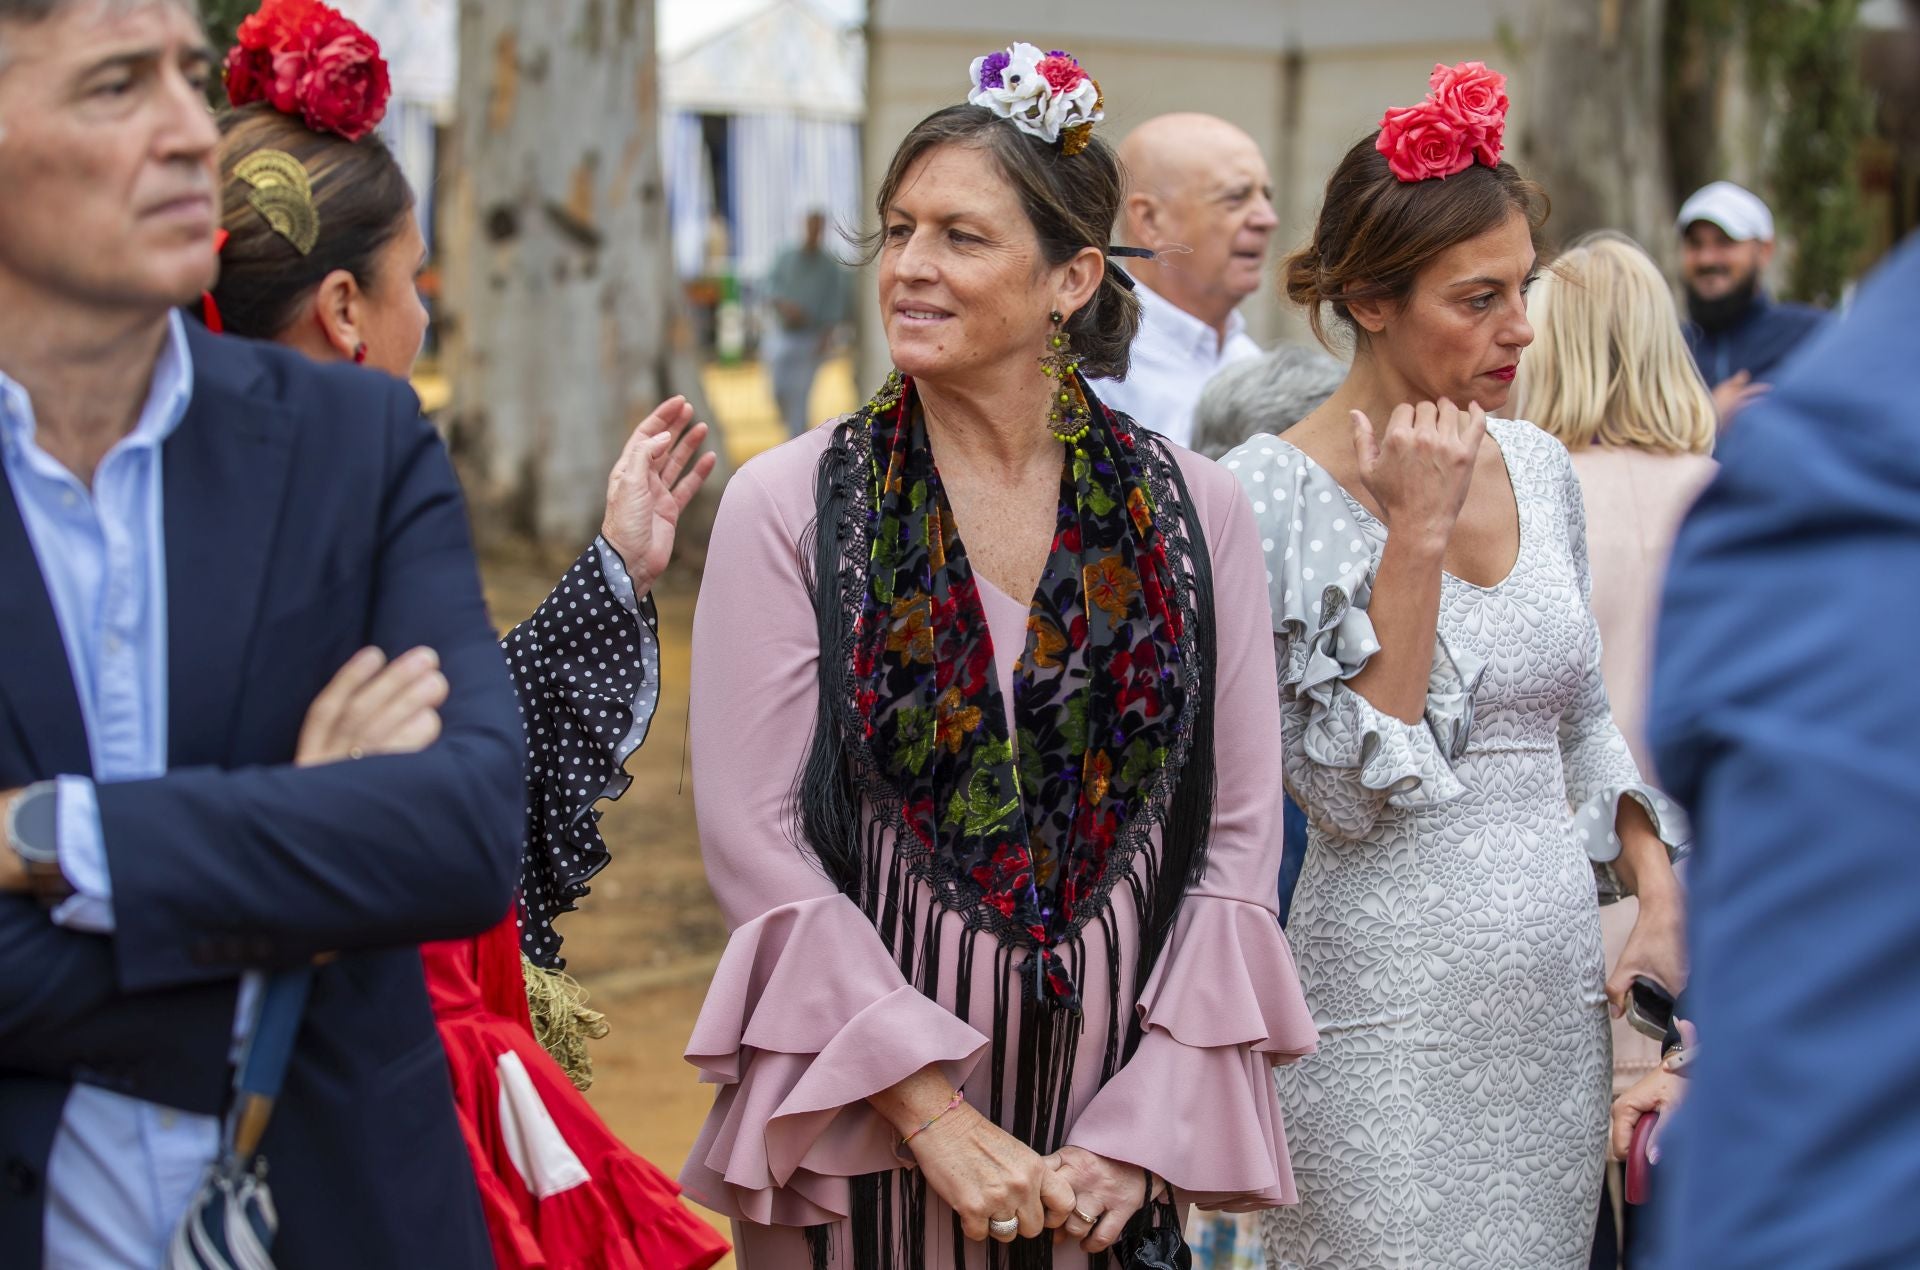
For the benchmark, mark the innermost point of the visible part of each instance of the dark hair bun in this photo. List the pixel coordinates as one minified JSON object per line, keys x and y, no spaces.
{"x":360,"y":198}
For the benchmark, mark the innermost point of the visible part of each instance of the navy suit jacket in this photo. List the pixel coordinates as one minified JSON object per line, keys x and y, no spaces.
{"x":309,"y":511}
{"x":1786,"y":716}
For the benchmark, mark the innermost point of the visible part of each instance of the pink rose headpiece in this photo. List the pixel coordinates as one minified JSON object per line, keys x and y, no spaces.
{"x":1460,"y":123}
{"x":1046,"y":95}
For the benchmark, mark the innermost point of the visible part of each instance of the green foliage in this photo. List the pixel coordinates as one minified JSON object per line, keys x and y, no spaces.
{"x":1808,"y":52}
{"x":223,"y":18}
{"x":1803,"y":61}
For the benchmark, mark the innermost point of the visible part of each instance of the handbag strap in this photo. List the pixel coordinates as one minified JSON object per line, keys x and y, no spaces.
{"x":265,"y":1051}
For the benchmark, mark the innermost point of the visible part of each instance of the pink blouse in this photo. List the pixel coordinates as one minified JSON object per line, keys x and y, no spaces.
{"x":808,"y":1014}
{"x":1635,"y":500}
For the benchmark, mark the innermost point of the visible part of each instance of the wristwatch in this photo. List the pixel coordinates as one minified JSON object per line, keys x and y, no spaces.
{"x":33,"y":831}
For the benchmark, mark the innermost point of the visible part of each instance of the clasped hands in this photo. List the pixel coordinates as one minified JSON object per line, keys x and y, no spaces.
{"x":990,"y":1178}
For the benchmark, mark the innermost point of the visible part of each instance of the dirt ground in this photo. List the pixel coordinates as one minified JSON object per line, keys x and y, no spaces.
{"x":645,"y":942}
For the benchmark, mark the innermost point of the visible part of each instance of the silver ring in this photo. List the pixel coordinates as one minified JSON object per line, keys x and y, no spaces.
{"x":1003,"y":1227}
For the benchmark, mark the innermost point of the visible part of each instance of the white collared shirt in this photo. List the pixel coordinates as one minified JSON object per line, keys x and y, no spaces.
{"x":122,"y":1171}
{"x":1174,"y":356}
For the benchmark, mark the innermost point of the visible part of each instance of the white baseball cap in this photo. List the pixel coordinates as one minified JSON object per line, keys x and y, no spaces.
{"x":1734,"y":208}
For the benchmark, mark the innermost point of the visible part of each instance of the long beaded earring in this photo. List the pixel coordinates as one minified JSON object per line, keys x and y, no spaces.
{"x":1069,"y":416}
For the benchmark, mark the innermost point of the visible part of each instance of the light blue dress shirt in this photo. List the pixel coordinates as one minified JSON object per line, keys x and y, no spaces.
{"x":122,"y":1171}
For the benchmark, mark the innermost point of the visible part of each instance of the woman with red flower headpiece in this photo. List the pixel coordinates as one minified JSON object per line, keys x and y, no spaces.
{"x":320,"y":251}
{"x":1447,"y":732}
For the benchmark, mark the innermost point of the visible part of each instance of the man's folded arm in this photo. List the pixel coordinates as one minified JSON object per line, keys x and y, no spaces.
{"x":216,"y":871}
{"x":63,"y":1015}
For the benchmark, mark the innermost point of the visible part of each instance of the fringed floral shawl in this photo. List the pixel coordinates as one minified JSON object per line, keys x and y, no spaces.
{"x":1025,"y":835}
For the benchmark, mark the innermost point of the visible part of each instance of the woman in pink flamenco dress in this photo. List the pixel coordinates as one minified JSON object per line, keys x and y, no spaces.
{"x":984,"y":728}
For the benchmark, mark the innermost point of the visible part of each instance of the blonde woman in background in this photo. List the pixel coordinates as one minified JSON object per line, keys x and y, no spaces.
{"x":1609,"y":375}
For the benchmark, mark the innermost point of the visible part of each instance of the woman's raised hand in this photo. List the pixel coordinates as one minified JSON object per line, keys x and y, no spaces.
{"x":650,"y":486}
{"x":1420,"y":467}
{"x":985,"y":1174}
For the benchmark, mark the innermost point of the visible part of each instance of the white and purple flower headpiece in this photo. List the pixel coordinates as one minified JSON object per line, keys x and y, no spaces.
{"x":1046,"y":95}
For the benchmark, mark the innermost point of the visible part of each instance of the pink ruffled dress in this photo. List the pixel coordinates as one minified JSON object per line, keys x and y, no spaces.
{"x":809,"y":1013}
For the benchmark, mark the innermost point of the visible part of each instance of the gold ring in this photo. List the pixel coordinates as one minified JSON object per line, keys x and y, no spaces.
{"x":1091,"y":1221}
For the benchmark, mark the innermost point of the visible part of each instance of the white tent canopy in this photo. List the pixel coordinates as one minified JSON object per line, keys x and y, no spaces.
{"x":420,"y":40}
{"x":787,"y":58}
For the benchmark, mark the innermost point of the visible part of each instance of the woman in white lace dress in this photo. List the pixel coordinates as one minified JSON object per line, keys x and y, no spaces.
{"x":1447,"y":732}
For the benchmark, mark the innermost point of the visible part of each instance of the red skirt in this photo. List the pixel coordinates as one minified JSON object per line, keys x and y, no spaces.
{"x":559,"y":1190}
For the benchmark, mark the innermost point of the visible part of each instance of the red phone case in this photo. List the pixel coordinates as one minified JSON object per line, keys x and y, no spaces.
{"x":1639,"y":1168}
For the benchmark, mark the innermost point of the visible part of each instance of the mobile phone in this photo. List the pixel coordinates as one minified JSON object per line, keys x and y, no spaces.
{"x":1639,"y":1167}
{"x":1650,"y":1009}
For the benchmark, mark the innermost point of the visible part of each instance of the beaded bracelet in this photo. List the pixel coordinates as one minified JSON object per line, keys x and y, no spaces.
{"x":959,"y":1096}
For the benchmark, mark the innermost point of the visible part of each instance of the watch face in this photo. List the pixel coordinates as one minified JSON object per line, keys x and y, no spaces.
{"x":34,"y":827}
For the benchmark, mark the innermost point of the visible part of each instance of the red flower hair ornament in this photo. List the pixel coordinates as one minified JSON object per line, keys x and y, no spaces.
{"x":304,"y":58}
{"x":1461,"y":122}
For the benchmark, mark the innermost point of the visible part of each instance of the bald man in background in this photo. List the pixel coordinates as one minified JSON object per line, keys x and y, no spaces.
{"x":1199,"y":195}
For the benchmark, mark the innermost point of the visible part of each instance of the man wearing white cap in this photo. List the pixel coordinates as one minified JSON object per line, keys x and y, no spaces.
{"x":1739,"y":334}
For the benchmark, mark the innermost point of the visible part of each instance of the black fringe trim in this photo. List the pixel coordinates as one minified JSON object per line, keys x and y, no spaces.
{"x":847,"y":814}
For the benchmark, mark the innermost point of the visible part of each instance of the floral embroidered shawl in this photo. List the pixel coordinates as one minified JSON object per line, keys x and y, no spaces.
{"x":1023,"y":825}
{"x":913,"y":783}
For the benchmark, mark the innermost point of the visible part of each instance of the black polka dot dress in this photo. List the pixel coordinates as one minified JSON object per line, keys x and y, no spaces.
{"x":586,"y":667}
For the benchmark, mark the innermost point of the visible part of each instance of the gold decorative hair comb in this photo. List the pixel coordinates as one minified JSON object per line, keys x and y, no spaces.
{"x":283,"y":195}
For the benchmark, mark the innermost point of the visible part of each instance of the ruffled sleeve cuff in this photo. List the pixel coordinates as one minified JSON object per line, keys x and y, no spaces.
{"x":1594,"y":825}
{"x":1320,"y":564}
{"x":1411,"y":763}
{"x":1196,"y":1103}
{"x":807,"y":1018}
{"x":586,"y":668}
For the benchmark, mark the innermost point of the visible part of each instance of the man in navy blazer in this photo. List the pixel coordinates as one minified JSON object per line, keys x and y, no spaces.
{"x":195,"y":534}
{"x":1786,"y":716}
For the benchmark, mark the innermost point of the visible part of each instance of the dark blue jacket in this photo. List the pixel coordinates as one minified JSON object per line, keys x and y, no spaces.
{"x":1757,"y":344}
{"x":309,"y":511}
{"x":1786,"y":716}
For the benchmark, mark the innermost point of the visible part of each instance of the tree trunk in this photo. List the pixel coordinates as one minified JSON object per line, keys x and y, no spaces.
{"x":559,"y":292}
{"x":1592,"y":125}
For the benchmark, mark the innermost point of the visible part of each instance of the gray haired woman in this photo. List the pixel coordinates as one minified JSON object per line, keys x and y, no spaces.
{"x":1263,"y":394}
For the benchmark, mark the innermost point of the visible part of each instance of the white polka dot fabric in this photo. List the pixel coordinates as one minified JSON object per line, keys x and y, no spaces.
{"x":1446,"y":922}
{"x":586,"y":667}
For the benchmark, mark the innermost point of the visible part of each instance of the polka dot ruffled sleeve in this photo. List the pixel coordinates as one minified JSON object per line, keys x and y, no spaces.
{"x":1345,"y":759}
{"x":586,"y":667}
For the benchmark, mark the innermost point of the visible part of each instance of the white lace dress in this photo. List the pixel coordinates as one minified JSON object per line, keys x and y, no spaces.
{"x":1447,"y":921}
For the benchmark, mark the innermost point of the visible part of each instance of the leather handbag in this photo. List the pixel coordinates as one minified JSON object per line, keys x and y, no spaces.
{"x":1153,"y":1239}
